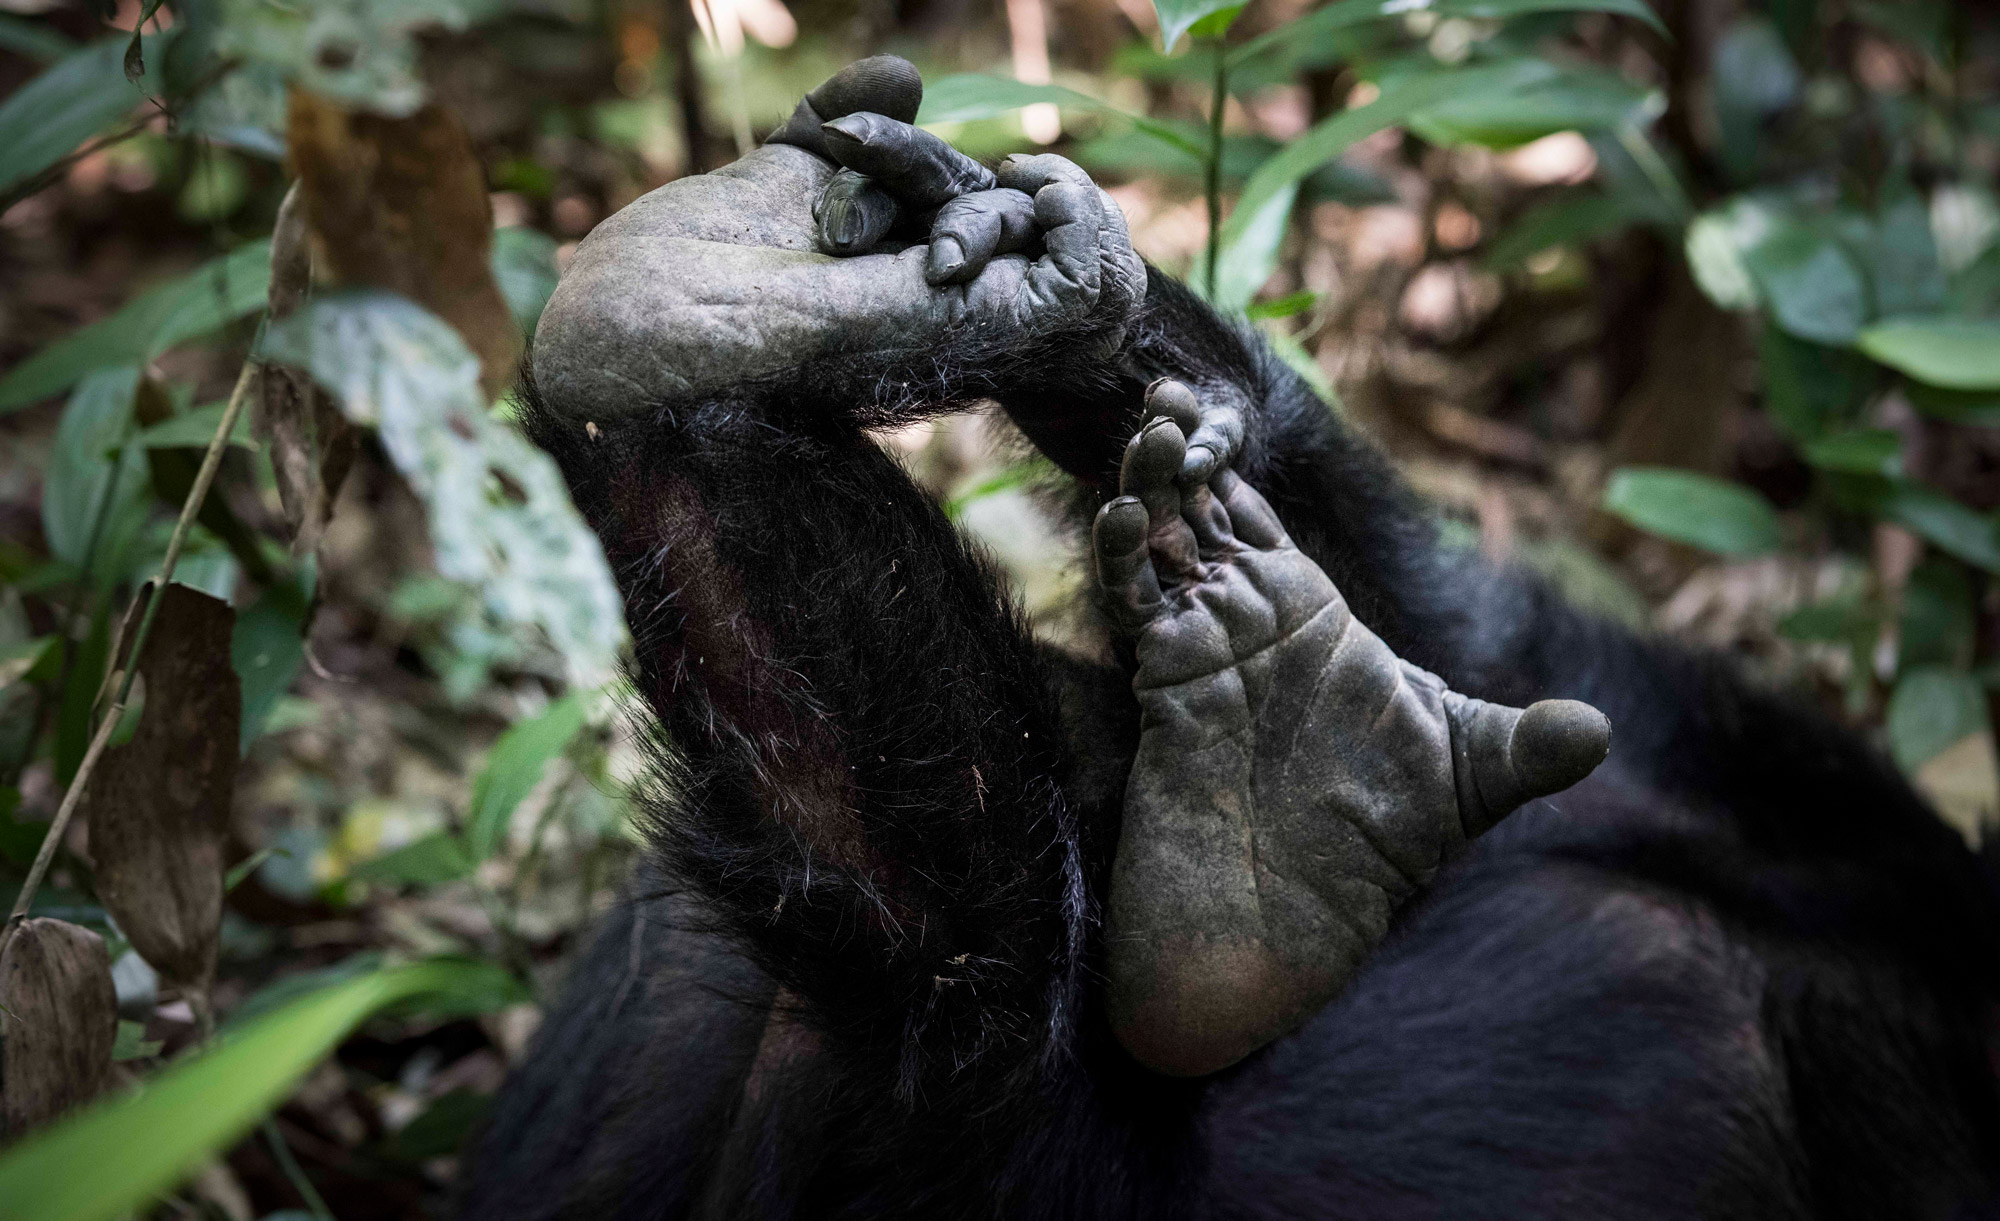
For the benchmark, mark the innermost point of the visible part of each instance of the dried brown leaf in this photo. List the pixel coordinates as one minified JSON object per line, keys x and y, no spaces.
{"x":159,"y":805}
{"x":401,"y":204}
{"x":59,"y":1024}
{"x":311,"y":443}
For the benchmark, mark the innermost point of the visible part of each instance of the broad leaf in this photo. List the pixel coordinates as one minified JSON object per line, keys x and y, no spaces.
{"x":1177,"y":17}
{"x":219,"y":292}
{"x":46,"y":119}
{"x":430,"y":861}
{"x":515,"y":767}
{"x":1812,"y":288}
{"x":1249,"y":260}
{"x":267,"y":649}
{"x":1580,"y":99}
{"x":1332,"y":136}
{"x":972,"y":95}
{"x":1810,"y":389}
{"x":1931,"y":708}
{"x":1317,"y":24}
{"x":94,"y":505}
{"x":1954,"y":528}
{"x":1867,"y":451}
{"x":1956,"y":353}
{"x":144,"y":1143}
{"x":32,"y":39}
{"x":500,"y":518}
{"x":1713,"y":514}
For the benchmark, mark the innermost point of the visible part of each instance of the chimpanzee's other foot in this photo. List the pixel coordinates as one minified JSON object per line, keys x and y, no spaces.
{"x":1295,"y":782}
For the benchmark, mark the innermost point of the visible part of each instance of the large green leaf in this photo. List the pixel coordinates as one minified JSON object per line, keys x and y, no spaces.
{"x":515,"y":767}
{"x":1864,"y":451}
{"x":1317,"y":24}
{"x":1579,"y":99}
{"x":32,"y":39}
{"x":1332,"y":136}
{"x":46,"y":119}
{"x":218,"y":292}
{"x":1249,"y":260}
{"x":1809,"y":283}
{"x":501,"y":521}
{"x":1956,"y":353}
{"x":973,"y":95}
{"x":1931,"y":708}
{"x":77,"y":518}
{"x":116,"y":1156}
{"x":1954,"y":528}
{"x":1177,"y":17}
{"x":1810,"y":389}
{"x":1713,"y":514}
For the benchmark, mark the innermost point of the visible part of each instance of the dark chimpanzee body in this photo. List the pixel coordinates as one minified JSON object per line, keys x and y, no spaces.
{"x":1741,"y":971}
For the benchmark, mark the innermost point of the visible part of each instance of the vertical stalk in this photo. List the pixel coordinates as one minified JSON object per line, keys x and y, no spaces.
{"x":1214,"y":184}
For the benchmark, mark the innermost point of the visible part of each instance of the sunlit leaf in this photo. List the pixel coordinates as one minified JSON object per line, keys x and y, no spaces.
{"x":972,"y":95}
{"x":1249,"y":259}
{"x":1283,"y":307}
{"x":219,"y":292}
{"x":500,"y":518}
{"x":1931,"y":708}
{"x":1956,"y":353}
{"x":1713,"y":514}
{"x":1177,"y":17}
{"x":1320,"y":22}
{"x":144,"y":1143}
{"x":515,"y":767}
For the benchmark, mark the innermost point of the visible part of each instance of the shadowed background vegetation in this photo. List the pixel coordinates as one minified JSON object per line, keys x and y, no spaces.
{"x":311,"y":750}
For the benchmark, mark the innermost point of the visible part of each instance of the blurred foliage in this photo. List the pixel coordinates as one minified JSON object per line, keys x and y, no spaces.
{"x":1694,"y":311}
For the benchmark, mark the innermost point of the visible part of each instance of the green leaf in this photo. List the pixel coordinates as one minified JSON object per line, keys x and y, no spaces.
{"x":1571,"y":220}
{"x":1938,"y":617}
{"x":515,"y":767}
{"x":524,"y":266}
{"x":1713,"y":514}
{"x":1014,"y":475}
{"x":1332,"y":136}
{"x":430,"y":861}
{"x":217,"y":293}
{"x":131,"y":1043}
{"x":1810,"y":389}
{"x":83,"y":527}
{"x":1902,"y":259}
{"x":1754,"y":78}
{"x":1866,"y":451}
{"x":972,"y":95}
{"x":1811,"y":286}
{"x":267,"y":648}
{"x":1579,"y":99}
{"x":1177,"y":17}
{"x":1931,"y":708}
{"x":1248,"y":260}
{"x":1283,"y":307}
{"x":47,"y":118}
{"x":139,"y":1145}
{"x":500,"y":518}
{"x":1955,"y":353}
{"x":195,"y":429}
{"x":1953,"y":528}
{"x":31,"y":39}
{"x":443,"y":1127}
{"x":1314,"y":26}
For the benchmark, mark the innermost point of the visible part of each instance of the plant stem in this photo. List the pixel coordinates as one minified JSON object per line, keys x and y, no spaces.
{"x":1214,"y":184}
{"x":281,"y":1150}
{"x":204,"y":478}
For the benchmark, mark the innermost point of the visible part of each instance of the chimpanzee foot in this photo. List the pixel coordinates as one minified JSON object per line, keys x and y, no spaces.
{"x":1295,"y":782}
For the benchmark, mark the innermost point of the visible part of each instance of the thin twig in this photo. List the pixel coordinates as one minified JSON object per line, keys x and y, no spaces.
{"x":204,"y":478}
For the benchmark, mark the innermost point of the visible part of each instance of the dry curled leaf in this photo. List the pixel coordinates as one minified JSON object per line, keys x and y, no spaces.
{"x":311,"y":443}
{"x":59,"y":1022}
{"x":159,"y":805}
{"x":401,"y":205}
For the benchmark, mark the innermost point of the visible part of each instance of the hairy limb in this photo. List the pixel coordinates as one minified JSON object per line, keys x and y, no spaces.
{"x":1296,"y":781}
{"x":861,"y":752}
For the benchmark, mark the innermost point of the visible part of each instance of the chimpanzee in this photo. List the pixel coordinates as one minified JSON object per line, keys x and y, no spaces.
{"x":940,"y":922}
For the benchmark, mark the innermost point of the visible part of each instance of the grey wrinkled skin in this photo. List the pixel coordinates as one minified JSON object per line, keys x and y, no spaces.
{"x":1295,"y":781}
{"x":721,"y":279}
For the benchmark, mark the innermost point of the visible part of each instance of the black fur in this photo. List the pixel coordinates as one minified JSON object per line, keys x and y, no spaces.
{"x":1740,"y":972}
